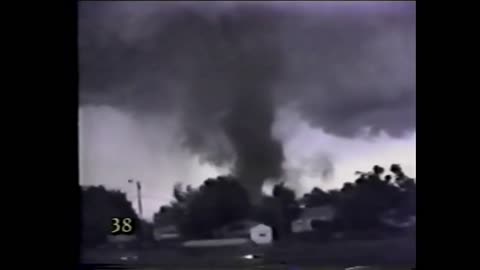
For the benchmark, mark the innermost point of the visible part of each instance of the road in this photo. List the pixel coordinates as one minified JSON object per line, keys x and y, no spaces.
{"x":391,"y":253}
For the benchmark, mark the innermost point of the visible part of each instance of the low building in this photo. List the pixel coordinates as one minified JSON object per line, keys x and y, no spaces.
{"x":165,"y":232}
{"x":257,"y":232}
{"x":121,"y":238}
{"x":236,"y":234}
{"x":235,"y":229}
{"x":395,"y":220}
{"x":310,"y":215}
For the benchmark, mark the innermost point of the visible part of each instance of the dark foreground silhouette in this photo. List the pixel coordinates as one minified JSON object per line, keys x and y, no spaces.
{"x":362,"y":206}
{"x":392,"y":253}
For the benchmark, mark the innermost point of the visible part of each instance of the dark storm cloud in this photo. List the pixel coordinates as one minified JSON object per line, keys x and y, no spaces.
{"x":224,"y":69}
{"x":214,"y":75}
{"x":348,"y":70}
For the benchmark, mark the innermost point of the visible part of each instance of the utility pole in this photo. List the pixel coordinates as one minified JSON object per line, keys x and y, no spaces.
{"x":139,"y":196}
{"x":141,"y":229}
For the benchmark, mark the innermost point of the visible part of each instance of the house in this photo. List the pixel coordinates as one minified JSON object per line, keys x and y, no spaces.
{"x":309,"y":215}
{"x":235,"y":229}
{"x":236,"y":234}
{"x":256,"y":232}
{"x":164,"y":227}
{"x":121,"y":240}
{"x":165,"y":232}
{"x":394,"y":219}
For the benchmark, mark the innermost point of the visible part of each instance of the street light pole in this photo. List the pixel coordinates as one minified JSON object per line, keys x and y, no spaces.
{"x":139,"y":196}
{"x":139,"y":192}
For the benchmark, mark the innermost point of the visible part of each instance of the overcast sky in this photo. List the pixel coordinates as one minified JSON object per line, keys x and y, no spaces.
{"x":337,"y":91}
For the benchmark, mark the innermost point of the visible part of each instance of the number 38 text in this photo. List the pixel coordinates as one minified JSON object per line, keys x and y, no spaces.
{"x":122,"y":226}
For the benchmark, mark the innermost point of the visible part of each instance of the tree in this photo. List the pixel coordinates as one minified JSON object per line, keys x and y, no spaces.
{"x":175,"y":212}
{"x":316,"y":197}
{"x":290,"y":208}
{"x":279,"y":210}
{"x":269,"y":212}
{"x":217,"y":202}
{"x":363,"y":203}
{"x":99,"y":206}
{"x":197,"y":212}
{"x":378,"y":171}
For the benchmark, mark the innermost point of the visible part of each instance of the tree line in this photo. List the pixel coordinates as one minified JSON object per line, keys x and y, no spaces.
{"x":199,"y":212}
